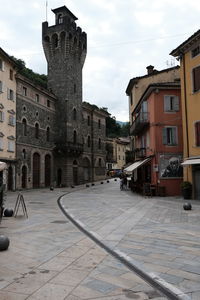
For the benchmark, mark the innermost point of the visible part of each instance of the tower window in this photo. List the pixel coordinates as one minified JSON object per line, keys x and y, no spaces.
{"x":60,"y":19}
{"x":55,"y":40}
{"x":37,"y":98}
{"x":24,"y":91}
{"x":99,"y":143}
{"x":74,"y":88}
{"x":11,"y":74}
{"x":48,"y":103}
{"x":74,"y":114}
{"x":88,"y":120}
{"x":88,"y":141}
{"x":48,"y":134}
{"x":75,"y":137}
{"x":37,"y":131}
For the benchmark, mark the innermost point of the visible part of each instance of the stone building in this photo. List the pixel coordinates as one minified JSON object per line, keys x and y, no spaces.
{"x":60,"y":139}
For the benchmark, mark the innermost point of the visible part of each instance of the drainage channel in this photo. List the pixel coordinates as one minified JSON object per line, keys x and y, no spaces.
{"x":154,"y":280}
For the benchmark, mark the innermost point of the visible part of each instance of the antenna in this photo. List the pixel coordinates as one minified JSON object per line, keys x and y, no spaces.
{"x":46,"y":9}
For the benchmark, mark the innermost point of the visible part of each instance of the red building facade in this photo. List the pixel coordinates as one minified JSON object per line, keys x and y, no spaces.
{"x":157,"y":128}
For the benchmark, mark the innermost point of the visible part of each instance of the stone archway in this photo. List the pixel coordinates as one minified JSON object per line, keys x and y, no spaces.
{"x":36,"y":170}
{"x":47,"y":170}
{"x":24,"y":177}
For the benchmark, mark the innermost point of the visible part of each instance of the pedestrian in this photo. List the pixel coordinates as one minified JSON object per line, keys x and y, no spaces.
{"x":125,"y":181}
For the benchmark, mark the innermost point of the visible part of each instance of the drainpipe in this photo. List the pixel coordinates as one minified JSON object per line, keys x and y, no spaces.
{"x":182,"y":56}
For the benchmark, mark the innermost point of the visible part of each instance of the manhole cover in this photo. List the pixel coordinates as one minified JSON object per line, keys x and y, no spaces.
{"x":60,"y":222}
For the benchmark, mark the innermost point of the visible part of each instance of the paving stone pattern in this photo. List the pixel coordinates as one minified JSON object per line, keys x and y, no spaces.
{"x":49,"y":258}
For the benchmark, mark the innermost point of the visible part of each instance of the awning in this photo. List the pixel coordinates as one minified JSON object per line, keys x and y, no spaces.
{"x":136,"y":165}
{"x":2,"y":166}
{"x":193,"y":161}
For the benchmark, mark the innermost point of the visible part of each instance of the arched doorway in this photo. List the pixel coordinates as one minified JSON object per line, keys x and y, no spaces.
{"x":59,"y":177}
{"x":36,"y":170}
{"x":47,"y":170}
{"x":75,"y":172}
{"x":10,"y":178}
{"x":24,"y":177}
{"x":86,"y":169}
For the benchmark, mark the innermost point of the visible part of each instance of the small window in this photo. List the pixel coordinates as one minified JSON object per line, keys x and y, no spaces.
{"x":74,"y":137}
{"x":24,"y":91}
{"x":88,"y":141}
{"x":1,"y":143}
{"x":196,"y":79}
{"x":74,"y":114}
{"x":99,"y":123}
{"x":48,"y":134}
{"x":197,"y":133}
{"x":1,"y":116}
{"x":24,"y":154}
{"x":1,"y":65}
{"x":74,"y":88}
{"x":60,"y":19}
{"x":37,"y":98}
{"x":24,"y":127}
{"x":11,"y":74}
{"x":171,"y":103}
{"x":1,"y":87}
{"x":10,"y":95}
{"x":24,"y":108}
{"x":99,"y":143}
{"x":195,"y":51}
{"x":170,"y":136}
{"x":11,"y":120}
{"x":11,"y":146}
{"x":37,"y":131}
{"x":48,"y":103}
{"x":88,"y":120}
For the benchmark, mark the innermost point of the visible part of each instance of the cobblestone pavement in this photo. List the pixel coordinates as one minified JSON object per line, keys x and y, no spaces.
{"x":49,"y":258}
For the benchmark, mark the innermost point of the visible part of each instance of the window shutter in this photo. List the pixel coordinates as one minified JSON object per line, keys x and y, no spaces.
{"x":176,"y":103}
{"x":1,"y":86}
{"x":166,"y":103}
{"x":196,"y":79}
{"x":3,"y":116}
{"x":174,"y":133}
{"x":164,"y":136}
{"x":197,"y":125}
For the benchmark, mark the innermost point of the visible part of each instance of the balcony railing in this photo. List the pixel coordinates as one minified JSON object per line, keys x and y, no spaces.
{"x":141,"y":121}
{"x":140,"y":152}
{"x":68,"y":148}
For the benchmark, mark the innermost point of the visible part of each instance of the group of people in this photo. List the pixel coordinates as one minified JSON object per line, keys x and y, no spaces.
{"x":123,"y":181}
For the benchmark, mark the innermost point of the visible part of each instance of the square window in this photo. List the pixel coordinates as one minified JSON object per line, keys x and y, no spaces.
{"x":196,"y":79}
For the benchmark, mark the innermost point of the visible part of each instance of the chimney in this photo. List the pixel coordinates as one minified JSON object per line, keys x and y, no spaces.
{"x":150,"y":69}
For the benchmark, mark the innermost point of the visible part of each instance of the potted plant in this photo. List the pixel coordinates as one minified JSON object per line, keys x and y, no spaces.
{"x":186,"y":187}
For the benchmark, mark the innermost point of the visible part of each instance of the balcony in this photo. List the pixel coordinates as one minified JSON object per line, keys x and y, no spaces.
{"x":141,"y":121}
{"x":68,"y":148}
{"x":140,"y":153}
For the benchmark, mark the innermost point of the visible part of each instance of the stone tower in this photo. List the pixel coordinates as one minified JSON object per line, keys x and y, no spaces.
{"x":65,"y":47}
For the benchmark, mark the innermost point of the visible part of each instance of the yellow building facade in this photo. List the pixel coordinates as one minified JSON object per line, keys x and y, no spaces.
{"x":189,"y":55}
{"x":8,"y":117}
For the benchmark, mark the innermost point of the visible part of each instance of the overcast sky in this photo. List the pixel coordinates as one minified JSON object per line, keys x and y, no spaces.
{"x":124,"y":36}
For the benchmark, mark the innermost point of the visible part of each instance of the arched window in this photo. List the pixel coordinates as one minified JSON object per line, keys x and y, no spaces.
{"x":24,"y":154}
{"x":197,"y":133}
{"x":37,"y":131}
{"x":24,"y":127}
{"x":74,"y":114}
{"x":99,"y":143}
{"x":88,"y":141}
{"x":74,"y":137}
{"x":48,"y":134}
{"x":55,"y":40}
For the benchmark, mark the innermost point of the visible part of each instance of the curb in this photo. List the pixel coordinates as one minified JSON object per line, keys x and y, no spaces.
{"x":154,"y":280}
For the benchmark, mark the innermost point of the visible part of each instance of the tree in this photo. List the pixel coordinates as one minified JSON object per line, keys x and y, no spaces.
{"x":112,"y":127}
